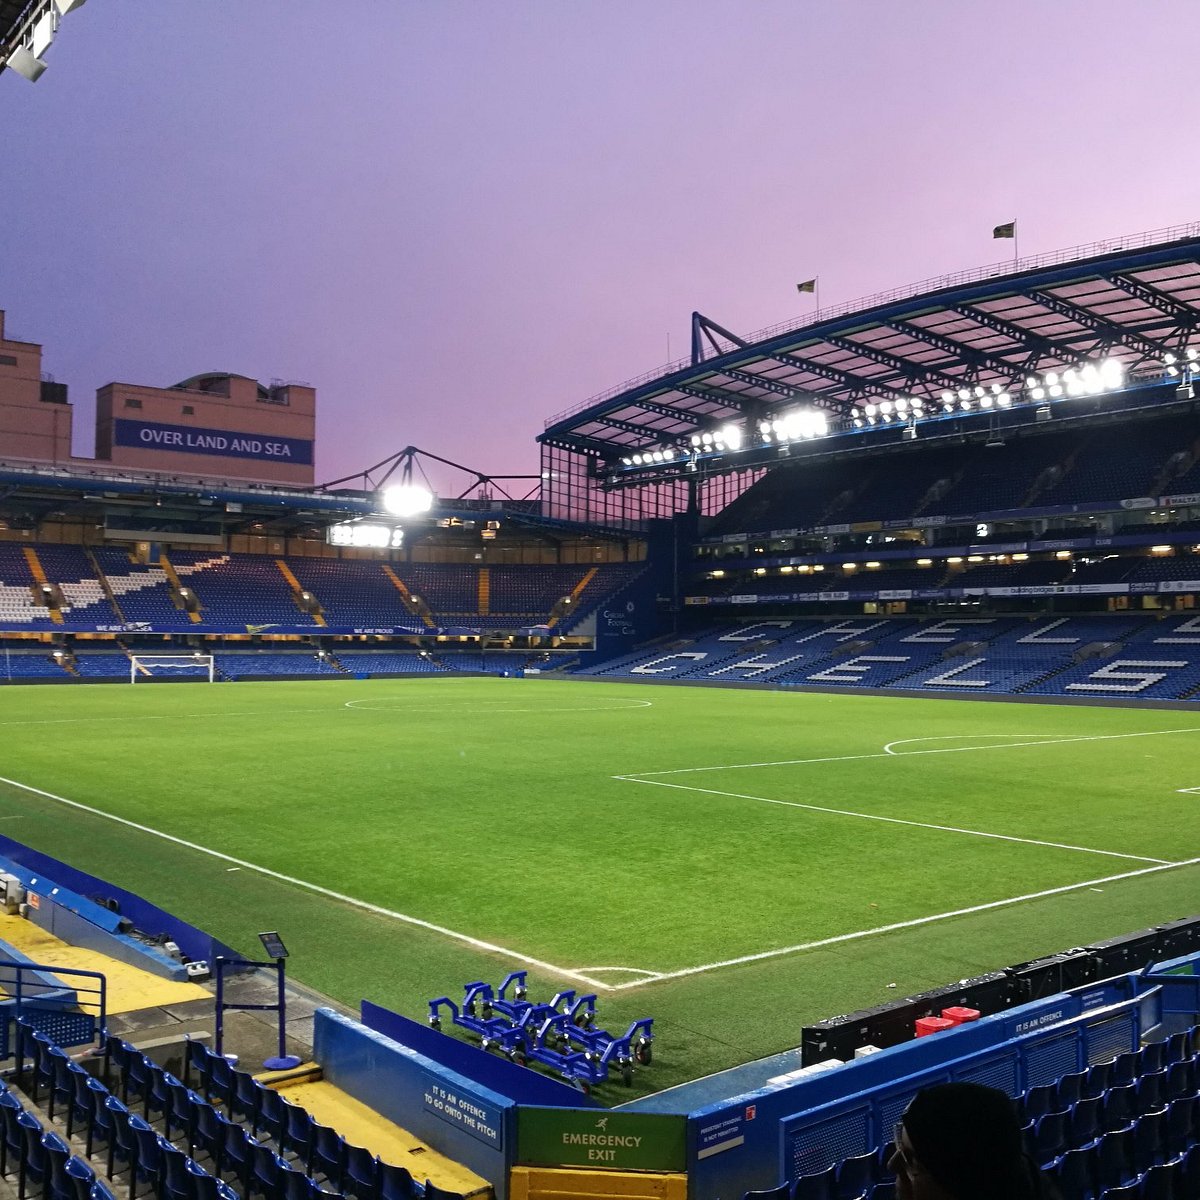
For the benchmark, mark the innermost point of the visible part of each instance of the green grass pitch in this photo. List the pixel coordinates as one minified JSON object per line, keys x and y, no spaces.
{"x":733,"y":863}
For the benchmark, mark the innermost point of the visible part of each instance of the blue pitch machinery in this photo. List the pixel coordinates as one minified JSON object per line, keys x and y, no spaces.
{"x":562,"y":1035}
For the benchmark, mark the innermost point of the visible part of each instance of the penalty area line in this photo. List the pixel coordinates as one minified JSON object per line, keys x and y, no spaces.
{"x":366,"y":906}
{"x":858,"y":935}
{"x":847,"y":812}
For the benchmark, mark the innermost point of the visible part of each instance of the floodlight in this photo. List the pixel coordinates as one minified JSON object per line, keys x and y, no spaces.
{"x":1050,"y":379}
{"x":1031,"y":381}
{"x":657,"y":456}
{"x":695,"y":439}
{"x":1004,"y":399}
{"x":849,"y":566}
{"x":1172,"y":371}
{"x":963,"y":394}
{"x":986,"y":402}
{"x":707,"y":439}
{"x":407,"y":500}
{"x":855,"y":413}
{"x":919,"y":405}
{"x":627,"y":461}
{"x":858,"y":423}
{"x":965,"y":406}
{"x":1112,"y":373}
{"x":979,"y":391}
{"x":1192,"y":354}
{"x":902,"y":405}
{"x":732,"y":436}
{"x":1056,"y":389}
{"x":669,"y":454}
{"x":924,"y":562}
{"x":1038,"y":393}
{"x":27,"y":65}
{"x":947,"y":397}
{"x":871,"y":410}
{"x":885,"y":406}
{"x":954,"y":560}
{"x":996,"y":389}
{"x":1169,"y":359}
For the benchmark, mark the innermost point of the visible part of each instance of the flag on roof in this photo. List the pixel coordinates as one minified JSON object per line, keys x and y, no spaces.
{"x":1005,"y":231}
{"x":809,"y":285}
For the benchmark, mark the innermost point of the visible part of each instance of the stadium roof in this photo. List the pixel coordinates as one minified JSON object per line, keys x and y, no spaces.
{"x":1136,"y":299}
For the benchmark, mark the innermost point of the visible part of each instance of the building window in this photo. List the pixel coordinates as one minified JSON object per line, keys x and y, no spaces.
{"x":189,"y":410}
{"x":8,"y":360}
{"x":130,"y":402}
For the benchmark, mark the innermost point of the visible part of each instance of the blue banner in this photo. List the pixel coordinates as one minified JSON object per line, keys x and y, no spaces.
{"x":224,"y":443}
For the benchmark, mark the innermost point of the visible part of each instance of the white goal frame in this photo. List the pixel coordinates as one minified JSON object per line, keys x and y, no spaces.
{"x":172,"y":660}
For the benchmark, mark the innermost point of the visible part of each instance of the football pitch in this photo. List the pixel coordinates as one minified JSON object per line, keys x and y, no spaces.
{"x":733,"y":863}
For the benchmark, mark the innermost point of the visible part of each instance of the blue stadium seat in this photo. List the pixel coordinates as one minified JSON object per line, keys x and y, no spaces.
{"x":856,"y":1174}
{"x":819,"y":1186}
{"x":1085,"y":1124}
{"x":1075,"y":1173}
{"x":1120,"y":1107}
{"x":1114,"y":1159}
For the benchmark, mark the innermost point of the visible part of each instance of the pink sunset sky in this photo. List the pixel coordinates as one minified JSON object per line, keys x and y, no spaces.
{"x":456,"y":219}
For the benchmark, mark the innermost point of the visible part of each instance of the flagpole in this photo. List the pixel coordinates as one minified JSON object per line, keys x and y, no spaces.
{"x":817,"y":292}
{"x":1016,"y":246}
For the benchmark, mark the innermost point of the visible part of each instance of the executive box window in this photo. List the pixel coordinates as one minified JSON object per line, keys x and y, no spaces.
{"x":189,"y":410}
{"x":8,"y":360}
{"x":130,"y":402}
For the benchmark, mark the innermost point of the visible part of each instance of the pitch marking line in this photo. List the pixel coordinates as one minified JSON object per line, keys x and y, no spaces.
{"x":637,"y":776}
{"x":624,"y":704}
{"x":845,"y":812}
{"x":913,"y":924}
{"x":475,"y":943}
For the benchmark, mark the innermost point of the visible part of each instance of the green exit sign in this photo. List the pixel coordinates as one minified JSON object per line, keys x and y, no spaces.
{"x":568,"y":1137}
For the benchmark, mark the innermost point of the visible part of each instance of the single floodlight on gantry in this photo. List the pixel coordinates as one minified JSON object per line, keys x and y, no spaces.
{"x":406,"y":500}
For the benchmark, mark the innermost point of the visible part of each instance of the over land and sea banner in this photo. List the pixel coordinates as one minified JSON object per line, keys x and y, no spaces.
{"x":224,"y":443}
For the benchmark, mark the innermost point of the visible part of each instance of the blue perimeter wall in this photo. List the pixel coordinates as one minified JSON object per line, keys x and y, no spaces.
{"x":149,"y":918}
{"x":457,"y":1116}
{"x":804,"y":1123}
{"x":519,"y":1084}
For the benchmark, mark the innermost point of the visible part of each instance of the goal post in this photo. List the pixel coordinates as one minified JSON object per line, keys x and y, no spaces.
{"x":143,"y":666}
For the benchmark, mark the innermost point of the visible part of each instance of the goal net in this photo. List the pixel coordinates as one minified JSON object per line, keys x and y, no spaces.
{"x":143,"y":666}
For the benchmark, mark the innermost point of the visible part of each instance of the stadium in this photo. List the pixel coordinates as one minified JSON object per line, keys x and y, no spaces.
{"x":816,"y":725}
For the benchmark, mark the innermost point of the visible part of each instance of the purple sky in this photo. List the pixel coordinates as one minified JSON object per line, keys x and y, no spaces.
{"x":456,"y":219}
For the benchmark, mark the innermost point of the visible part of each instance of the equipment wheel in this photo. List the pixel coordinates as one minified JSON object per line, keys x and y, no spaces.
{"x":582,"y":1086}
{"x":626,"y":1072}
{"x":643,"y":1052}
{"x":435,"y":1022}
{"x":518,"y":1057}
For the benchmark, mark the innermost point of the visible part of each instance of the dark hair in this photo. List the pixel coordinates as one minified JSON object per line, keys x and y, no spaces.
{"x":968,"y":1137}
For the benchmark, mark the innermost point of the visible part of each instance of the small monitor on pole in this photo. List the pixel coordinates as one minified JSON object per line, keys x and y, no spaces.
{"x":273,"y":945}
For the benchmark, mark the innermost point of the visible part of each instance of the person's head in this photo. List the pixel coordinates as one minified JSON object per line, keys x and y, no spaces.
{"x":961,"y":1141}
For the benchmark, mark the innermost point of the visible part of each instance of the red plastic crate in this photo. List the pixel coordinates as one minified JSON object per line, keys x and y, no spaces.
{"x":928,"y":1025}
{"x":960,"y":1015}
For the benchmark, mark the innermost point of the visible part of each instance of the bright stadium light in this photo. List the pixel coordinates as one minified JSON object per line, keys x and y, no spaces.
{"x":871,"y":410}
{"x":407,"y":500}
{"x":695,"y":439}
{"x":1004,"y":400}
{"x":731,"y":435}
